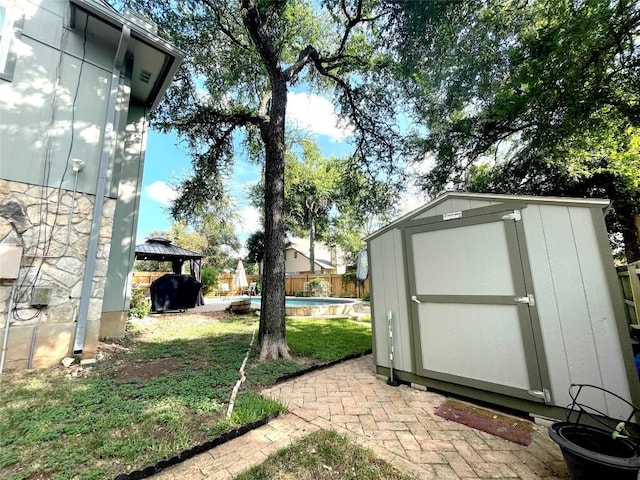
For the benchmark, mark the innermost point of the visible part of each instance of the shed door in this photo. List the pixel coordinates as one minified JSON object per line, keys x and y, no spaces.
{"x":472,"y":314}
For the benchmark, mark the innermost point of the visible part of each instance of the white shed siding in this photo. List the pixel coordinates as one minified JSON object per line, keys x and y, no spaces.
{"x":593,"y":268}
{"x":479,"y":253}
{"x":453,"y":205}
{"x":574,"y":303}
{"x":571,"y":278}
{"x":547,"y":302}
{"x":389,"y":295}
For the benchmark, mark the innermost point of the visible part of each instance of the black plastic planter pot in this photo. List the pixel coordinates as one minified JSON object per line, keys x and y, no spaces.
{"x":593,"y":454}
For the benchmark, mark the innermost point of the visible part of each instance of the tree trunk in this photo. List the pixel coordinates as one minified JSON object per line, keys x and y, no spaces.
{"x":312,"y":243}
{"x":272,"y":331}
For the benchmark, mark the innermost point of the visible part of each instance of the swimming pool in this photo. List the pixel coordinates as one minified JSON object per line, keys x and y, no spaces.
{"x":307,"y":306}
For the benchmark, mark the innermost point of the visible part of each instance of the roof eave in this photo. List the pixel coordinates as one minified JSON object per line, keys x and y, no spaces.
{"x":115,"y":19}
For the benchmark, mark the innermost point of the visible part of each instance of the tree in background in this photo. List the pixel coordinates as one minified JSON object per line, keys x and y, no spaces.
{"x":223,"y":244}
{"x":538,"y":97}
{"x":242,"y":59}
{"x":311,"y":187}
{"x":327,"y":199}
{"x":362,"y":206}
{"x":255,"y":248}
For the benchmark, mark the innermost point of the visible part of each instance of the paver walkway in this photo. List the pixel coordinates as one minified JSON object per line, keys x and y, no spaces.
{"x":396,"y":423}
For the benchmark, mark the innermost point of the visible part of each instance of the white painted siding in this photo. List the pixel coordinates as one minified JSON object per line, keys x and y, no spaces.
{"x":574,"y":303}
{"x":454,"y":205}
{"x":27,"y":101}
{"x":482,"y":342}
{"x":477,"y":250}
{"x":389,"y":294}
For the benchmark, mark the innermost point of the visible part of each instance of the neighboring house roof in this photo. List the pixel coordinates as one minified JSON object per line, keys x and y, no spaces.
{"x":161,"y":249}
{"x":322,"y":251}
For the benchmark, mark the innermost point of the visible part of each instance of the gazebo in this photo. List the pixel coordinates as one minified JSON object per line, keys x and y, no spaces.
{"x":161,"y":250}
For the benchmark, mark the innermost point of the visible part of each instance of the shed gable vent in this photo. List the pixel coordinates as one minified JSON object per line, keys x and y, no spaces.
{"x":145,"y":76}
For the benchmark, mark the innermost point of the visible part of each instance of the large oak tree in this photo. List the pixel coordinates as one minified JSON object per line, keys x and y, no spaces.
{"x":243,"y":57}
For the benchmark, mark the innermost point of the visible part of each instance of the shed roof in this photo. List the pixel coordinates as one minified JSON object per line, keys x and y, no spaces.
{"x":492,"y":197}
{"x":161,"y":249}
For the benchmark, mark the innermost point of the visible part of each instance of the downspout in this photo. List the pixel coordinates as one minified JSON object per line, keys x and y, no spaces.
{"x":5,"y":339}
{"x":87,"y":281}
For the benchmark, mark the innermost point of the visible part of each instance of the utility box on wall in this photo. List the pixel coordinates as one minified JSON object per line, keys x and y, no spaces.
{"x":10,"y":258}
{"x":507,"y":299}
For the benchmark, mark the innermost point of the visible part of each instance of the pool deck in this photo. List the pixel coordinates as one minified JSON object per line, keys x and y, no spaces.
{"x":219,"y":304}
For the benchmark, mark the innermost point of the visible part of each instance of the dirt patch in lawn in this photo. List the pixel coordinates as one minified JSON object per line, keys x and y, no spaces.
{"x":147,"y":370}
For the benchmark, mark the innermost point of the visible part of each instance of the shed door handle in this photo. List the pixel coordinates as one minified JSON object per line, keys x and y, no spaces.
{"x":415,"y":299}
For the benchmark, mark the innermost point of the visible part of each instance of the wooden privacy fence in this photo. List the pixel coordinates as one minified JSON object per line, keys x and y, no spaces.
{"x":144,"y":280}
{"x":630,"y":282}
{"x":341,"y":285}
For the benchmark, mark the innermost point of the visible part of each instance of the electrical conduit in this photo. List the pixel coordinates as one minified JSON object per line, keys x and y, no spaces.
{"x":87,"y":282}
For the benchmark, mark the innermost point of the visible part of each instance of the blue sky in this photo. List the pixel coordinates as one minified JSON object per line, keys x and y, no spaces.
{"x":165,"y":161}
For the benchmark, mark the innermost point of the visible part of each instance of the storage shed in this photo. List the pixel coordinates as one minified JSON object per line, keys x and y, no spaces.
{"x":501,"y":298}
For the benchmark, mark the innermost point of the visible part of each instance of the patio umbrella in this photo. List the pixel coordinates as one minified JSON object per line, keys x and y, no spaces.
{"x":240,"y":278}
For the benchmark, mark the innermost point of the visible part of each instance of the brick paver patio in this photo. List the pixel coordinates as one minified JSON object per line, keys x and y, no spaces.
{"x":396,"y":423}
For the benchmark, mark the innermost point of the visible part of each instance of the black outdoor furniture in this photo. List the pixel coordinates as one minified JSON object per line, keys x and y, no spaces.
{"x":161,"y":250}
{"x":173,"y":292}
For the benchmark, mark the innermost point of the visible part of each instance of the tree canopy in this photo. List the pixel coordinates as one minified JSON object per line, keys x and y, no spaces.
{"x":539,"y":97}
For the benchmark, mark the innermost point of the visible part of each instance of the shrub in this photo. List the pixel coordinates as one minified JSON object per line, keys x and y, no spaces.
{"x":139,"y":306}
{"x":258,"y":285}
{"x":209,"y":279}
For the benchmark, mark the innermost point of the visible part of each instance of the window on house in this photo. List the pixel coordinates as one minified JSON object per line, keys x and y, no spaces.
{"x":5,"y":35}
{"x":295,"y":254}
{"x":9,"y":30}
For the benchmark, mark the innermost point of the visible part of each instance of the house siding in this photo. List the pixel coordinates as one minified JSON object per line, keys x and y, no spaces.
{"x":74,"y":125}
{"x":54,"y":109}
{"x":39,"y":218}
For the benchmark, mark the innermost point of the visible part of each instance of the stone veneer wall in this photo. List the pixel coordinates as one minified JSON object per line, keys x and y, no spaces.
{"x":38,"y":219}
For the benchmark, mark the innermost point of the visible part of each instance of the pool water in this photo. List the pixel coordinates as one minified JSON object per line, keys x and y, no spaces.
{"x":307,"y":306}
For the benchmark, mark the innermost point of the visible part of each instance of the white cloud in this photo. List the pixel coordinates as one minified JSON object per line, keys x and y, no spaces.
{"x":161,"y":192}
{"x":410,"y":200}
{"x":248,"y":222}
{"x":316,"y":114}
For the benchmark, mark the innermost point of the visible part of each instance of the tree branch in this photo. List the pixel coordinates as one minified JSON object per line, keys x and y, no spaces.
{"x":254,"y":25}
{"x":222,"y":25}
{"x":304,"y":58}
{"x":351,"y":23}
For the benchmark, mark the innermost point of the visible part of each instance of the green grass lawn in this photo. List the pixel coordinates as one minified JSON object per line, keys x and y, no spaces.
{"x":323,"y":455}
{"x":162,"y":389}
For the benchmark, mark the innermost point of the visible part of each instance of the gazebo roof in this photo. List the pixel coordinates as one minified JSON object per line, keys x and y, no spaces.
{"x":161,"y":250}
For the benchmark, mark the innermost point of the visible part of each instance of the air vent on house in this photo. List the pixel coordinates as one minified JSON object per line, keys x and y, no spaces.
{"x":145,"y":76}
